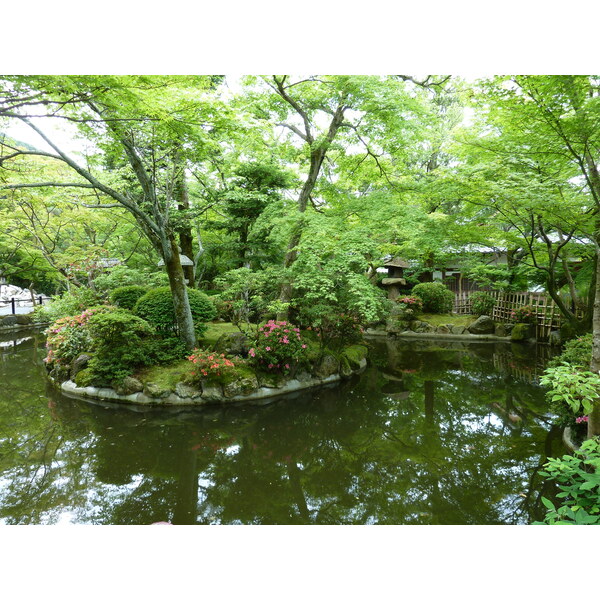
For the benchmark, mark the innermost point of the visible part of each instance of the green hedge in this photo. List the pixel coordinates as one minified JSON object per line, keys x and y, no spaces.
{"x":156,"y":307}
{"x":127,"y":296}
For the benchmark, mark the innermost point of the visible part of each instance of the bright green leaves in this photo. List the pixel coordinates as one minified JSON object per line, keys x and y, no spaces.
{"x":579,"y":390}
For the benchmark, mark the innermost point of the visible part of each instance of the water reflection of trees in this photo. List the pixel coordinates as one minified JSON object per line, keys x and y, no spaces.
{"x":419,"y":438}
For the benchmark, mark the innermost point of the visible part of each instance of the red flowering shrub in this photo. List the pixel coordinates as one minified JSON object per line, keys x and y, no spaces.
{"x":413,"y":302}
{"x":68,"y":337}
{"x":524,"y":314}
{"x":278,"y":347}
{"x":209,"y":365}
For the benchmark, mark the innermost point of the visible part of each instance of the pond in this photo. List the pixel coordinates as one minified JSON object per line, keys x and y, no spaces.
{"x":430,"y":433}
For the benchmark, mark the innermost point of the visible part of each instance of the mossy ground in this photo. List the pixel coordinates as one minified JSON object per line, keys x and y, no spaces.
{"x":168,"y":376}
{"x":447,"y":319}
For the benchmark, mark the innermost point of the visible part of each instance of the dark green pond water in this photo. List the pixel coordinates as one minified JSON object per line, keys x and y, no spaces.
{"x":426,"y":435}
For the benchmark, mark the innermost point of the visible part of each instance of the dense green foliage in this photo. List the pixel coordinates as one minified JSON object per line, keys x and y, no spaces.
{"x":156,"y":307}
{"x":482,"y":303}
{"x":127,"y":296}
{"x":68,"y":304}
{"x":437,"y":298}
{"x":578,"y":478}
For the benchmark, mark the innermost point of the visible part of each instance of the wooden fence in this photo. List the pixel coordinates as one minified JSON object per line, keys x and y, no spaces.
{"x":547,"y":312}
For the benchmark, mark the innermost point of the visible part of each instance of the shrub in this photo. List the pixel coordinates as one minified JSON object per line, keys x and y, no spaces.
{"x":209,"y":365}
{"x":437,"y":298}
{"x":576,"y":352}
{"x":579,"y":481}
{"x":572,"y":386}
{"x":524,"y":314}
{"x":127,"y":296}
{"x":117,"y":342}
{"x":156,"y":307}
{"x":413,"y":302}
{"x":278,"y":347}
{"x":68,"y":337}
{"x":69,"y":304}
{"x":482,"y":303}
{"x":122,"y":275}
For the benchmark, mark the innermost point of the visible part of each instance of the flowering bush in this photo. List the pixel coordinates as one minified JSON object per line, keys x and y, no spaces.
{"x":413,"y":302}
{"x":68,"y":337}
{"x":524,"y":314}
{"x":278,"y":347}
{"x":210,"y":365}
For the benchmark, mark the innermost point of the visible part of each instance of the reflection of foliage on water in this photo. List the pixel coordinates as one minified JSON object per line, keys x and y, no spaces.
{"x":427,"y":437}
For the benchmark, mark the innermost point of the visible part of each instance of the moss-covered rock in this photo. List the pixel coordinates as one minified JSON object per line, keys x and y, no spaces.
{"x":129,"y":385}
{"x":329,"y":365}
{"x":355,"y":355}
{"x":522,"y":332}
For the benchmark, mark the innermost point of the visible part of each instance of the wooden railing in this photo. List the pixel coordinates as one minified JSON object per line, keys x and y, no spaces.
{"x":547,"y":312}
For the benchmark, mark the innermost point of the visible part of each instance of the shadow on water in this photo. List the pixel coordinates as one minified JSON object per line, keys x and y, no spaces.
{"x":429,"y":433}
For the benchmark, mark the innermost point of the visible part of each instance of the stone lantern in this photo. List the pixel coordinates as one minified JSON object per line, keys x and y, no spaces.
{"x":395,"y":281}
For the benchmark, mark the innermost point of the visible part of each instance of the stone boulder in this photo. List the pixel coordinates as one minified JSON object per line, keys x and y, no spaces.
{"x":187,"y":391}
{"x":329,"y":365}
{"x":240,"y":386}
{"x":80,"y":363}
{"x":554,"y":338}
{"x":459,"y":330}
{"x":236,"y":344}
{"x":8,"y":321}
{"x":422,"y":327}
{"x":153,"y":390}
{"x":443,"y":329}
{"x":522,"y":332}
{"x":129,"y":385}
{"x":501,"y":330}
{"x":483,"y":326}
{"x":23,"y":319}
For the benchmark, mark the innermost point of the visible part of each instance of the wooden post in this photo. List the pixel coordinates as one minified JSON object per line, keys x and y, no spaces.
{"x":12,"y":303}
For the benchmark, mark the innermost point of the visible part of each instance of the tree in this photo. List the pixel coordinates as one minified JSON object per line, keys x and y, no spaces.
{"x":146,"y":130}
{"x":551,"y":124}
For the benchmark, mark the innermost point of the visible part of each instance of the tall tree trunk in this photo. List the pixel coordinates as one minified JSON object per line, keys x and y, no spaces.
{"x":181,"y":303}
{"x":589,"y":311}
{"x":186,"y":238}
{"x":594,"y":418}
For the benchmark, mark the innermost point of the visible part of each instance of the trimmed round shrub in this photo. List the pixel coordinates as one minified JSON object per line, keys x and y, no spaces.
{"x":127,"y":296}
{"x":437,"y":298}
{"x":156,"y":307}
{"x":482,"y":303}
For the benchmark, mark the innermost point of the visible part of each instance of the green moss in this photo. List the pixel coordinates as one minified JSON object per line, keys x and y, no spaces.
{"x":354,"y":355}
{"x":166,"y":376}
{"x":84,"y":378}
{"x":447,"y":319}
{"x":213,"y":332}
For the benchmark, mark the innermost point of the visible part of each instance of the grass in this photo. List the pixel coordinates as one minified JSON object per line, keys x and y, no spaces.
{"x":447,"y":319}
